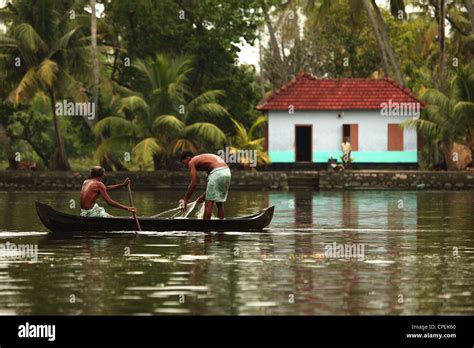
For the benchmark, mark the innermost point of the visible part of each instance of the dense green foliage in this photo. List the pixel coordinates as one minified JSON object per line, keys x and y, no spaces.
{"x":170,"y":77}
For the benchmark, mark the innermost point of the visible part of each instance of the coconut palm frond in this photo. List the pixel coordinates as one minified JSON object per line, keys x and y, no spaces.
{"x":241,"y":133}
{"x":114,"y":125}
{"x":25,"y":34}
{"x":181,"y":145}
{"x":205,"y":98}
{"x":71,"y":87}
{"x":124,"y":91}
{"x":133,"y":103}
{"x":25,"y":89}
{"x":143,"y":152}
{"x":258,"y":122}
{"x":435,"y":97}
{"x":464,"y":112}
{"x":462,"y":84}
{"x":144,"y":67}
{"x":206,"y":131}
{"x":256,"y":142}
{"x":427,"y":128}
{"x":111,"y":145}
{"x":210,"y":110}
{"x":63,"y":42}
{"x":168,"y":123}
{"x":47,"y":72}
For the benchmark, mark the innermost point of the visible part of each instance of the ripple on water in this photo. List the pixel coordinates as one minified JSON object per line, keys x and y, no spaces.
{"x":194,"y":257}
{"x":172,"y":310}
{"x":261,"y":304}
{"x":21,"y":234}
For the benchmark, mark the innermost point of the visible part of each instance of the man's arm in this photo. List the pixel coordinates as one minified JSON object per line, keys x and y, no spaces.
{"x":201,"y":197}
{"x":103,"y":191}
{"x":114,"y":187}
{"x":192,"y":184}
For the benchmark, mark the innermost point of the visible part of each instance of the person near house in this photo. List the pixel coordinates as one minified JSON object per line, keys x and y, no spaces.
{"x":218,"y":181}
{"x":346,"y":151}
{"x":93,"y":188}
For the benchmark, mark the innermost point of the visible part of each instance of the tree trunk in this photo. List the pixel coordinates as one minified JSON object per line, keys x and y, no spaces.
{"x":391,"y":53}
{"x":442,"y":46}
{"x":260,"y":62}
{"x":95,"y":62}
{"x":59,"y":160}
{"x":378,"y":38}
{"x":274,"y":44}
{"x":6,"y":143}
{"x":109,"y":160}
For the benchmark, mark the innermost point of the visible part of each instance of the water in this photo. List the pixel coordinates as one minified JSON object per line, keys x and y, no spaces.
{"x":418,"y":252}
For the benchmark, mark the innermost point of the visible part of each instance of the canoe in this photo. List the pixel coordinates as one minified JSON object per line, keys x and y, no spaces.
{"x":59,"y":222}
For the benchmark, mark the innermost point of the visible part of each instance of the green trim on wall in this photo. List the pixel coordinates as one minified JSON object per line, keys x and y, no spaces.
{"x":361,"y":157}
{"x":370,"y":156}
{"x":282,"y":156}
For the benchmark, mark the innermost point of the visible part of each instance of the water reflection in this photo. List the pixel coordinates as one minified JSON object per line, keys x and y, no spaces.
{"x":418,"y":255}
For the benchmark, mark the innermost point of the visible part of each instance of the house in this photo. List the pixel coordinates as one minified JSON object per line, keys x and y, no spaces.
{"x":309,"y":117}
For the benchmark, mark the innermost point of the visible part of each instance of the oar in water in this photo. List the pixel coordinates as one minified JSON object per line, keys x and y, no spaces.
{"x":131,"y":203}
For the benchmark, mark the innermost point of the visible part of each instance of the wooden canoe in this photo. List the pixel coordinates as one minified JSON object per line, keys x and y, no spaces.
{"x":60,"y":222}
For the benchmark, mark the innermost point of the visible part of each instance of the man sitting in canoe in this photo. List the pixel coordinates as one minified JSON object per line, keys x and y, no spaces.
{"x":218,"y":181}
{"x":91,"y":190}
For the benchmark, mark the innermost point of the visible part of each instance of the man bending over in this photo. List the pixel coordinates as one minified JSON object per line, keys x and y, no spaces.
{"x":91,"y":190}
{"x":218,"y":181}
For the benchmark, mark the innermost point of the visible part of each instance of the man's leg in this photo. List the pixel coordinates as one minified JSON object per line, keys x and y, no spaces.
{"x":208,"y":209}
{"x":220,"y":209}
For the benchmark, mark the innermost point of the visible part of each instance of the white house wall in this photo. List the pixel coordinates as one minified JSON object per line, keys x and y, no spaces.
{"x":327,"y":136}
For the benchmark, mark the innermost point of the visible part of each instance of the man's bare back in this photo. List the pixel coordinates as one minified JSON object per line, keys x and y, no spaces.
{"x":94,"y":187}
{"x":207,"y":162}
{"x":217,"y":186}
{"x":90,"y":192}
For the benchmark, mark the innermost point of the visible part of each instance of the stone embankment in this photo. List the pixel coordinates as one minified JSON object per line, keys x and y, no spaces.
{"x":251,"y":180}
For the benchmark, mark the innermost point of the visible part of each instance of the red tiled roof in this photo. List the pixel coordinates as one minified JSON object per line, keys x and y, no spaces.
{"x":306,"y":92}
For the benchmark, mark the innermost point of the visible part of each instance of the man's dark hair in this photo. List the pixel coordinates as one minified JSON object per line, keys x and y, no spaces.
{"x":186,"y":154}
{"x":97,"y":172}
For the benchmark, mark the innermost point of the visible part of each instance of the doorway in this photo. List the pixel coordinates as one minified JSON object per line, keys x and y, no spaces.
{"x":303,"y":143}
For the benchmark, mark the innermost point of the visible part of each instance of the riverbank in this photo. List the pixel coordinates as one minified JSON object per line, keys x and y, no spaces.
{"x":248,"y":180}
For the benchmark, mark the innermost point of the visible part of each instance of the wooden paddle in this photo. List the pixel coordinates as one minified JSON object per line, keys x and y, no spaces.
{"x":131,"y":203}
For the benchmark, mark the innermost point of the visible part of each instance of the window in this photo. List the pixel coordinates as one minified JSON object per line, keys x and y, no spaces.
{"x":351,"y":131}
{"x":395,"y":137}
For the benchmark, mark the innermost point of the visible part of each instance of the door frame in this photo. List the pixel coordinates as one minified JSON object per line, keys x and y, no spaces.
{"x":310,"y":126}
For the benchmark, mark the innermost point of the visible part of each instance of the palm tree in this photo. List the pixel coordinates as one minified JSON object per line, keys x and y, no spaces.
{"x":244,"y":140}
{"x":44,"y":51}
{"x":442,"y":44}
{"x":448,"y":120}
{"x":160,"y":117}
{"x":394,"y":4}
{"x":94,"y":58}
{"x":379,"y":27}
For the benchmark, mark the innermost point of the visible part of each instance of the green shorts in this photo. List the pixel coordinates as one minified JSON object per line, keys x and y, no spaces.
{"x":218,"y":182}
{"x":96,"y":211}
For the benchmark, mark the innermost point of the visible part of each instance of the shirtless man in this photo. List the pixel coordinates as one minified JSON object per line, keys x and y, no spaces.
{"x":218,"y":181}
{"x":92,"y":188}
